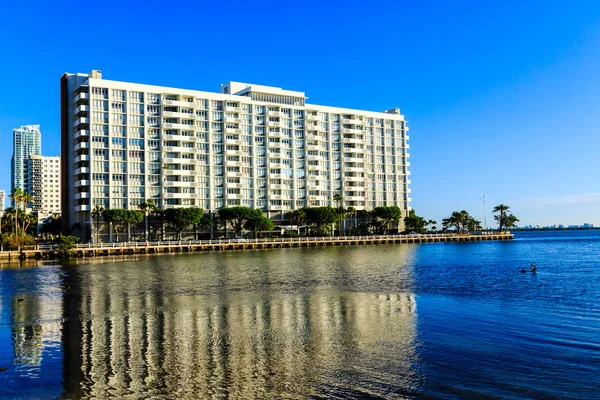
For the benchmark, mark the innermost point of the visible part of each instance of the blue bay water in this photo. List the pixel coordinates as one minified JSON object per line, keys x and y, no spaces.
{"x":438,"y":320}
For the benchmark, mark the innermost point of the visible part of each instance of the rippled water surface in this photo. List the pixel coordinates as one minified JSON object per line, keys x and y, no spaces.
{"x":405,"y":321}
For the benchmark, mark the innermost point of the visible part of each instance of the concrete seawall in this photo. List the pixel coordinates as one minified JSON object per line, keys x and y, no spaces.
{"x":111,"y":249}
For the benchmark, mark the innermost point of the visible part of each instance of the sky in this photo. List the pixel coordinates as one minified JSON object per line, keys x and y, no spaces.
{"x":502,"y":98}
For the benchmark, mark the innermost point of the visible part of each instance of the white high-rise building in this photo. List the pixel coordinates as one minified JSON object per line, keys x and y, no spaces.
{"x":249,"y":145}
{"x":2,"y":200}
{"x":43,"y":184}
{"x":27,"y":141}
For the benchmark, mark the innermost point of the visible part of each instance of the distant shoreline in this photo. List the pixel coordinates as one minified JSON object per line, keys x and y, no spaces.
{"x":553,"y":229}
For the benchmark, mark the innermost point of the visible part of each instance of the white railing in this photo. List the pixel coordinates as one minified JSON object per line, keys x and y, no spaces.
{"x":301,"y":239}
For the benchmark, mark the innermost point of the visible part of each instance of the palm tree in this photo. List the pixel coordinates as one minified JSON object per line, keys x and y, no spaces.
{"x":502,"y":209}
{"x":340,"y":211}
{"x":351,"y":211}
{"x":147,"y":207}
{"x":96,"y":213}
{"x":25,"y":200}
{"x":296,"y":217}
{"x":337,"y":198}
{"x":15,"y":196}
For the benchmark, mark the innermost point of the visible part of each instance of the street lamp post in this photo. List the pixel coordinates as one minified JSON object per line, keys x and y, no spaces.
{"x":484,"y":216}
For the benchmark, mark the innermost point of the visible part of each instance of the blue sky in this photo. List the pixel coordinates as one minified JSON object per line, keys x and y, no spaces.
{"x":502,"y":99}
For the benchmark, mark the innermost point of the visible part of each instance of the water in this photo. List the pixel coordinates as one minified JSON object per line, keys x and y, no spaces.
{"x":434,"y":320}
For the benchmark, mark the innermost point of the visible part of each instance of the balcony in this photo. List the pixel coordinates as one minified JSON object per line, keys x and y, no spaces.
{"x":311,"y":117}
{"x":180,"y":195}
{"x":276,"y":176}
{"x":233,"y":130}
{"x":274,"y":134}
{"x":355,"y":131}
{"x":83,"y":157}
{"x":83,"y":132}
{"x":233,"y":185}
{"x":233,"y":120}
{"x":353,"y":150}
{"x":183,"y":138}
{"x":275,"y":124}
{"x":315,"y":158}
{"x":80,"y":121}
{"x":278,"y":208}
{"x":178,"y":160}
{"x":82,"y":108}
{"x":311,"y":136}
{"x":317,"y":197}
{"x":276,"y":186}
{"x":353,"y":121}
{"x":233,"y":195}
{"x":354,"y":178}
{"x":175,"y":114}
{"x":276,"y":144}
{"x":82,"y":195}
{"x":185,"y":127}
{"x":82,"y":170}
{"x":354,"y":198}
{"x":233,"y":152}
{"x":178,"y":184}
{"x":178,"y":103}
{"x":81,"y":96}
{"x":315,"y":147}
{"x":82,"y":182}
{"x":354,"y":159}
{"x":353,"y":140}
{"x":354,"y":188}
{"x":83,"y":207}
{"x":178,"y":172}
{"x":233,"y":174}
{"x":313,"y":128}
{"x":276,"y":165}
{"x":353,"y":169}
{"x":233,"y":141}
{"x":81,"y":145}
{"x":178,"y":149}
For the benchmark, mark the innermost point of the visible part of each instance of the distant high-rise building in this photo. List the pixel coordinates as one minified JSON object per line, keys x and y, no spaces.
{"x":27,"y":141}
{"x":2,"y":200}
{"x":43,"y":184}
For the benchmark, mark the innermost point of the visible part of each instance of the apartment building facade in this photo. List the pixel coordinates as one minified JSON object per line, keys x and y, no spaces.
{"x":249,"y":145}
{"x":27,"y":141}
{"x":43,"y":184}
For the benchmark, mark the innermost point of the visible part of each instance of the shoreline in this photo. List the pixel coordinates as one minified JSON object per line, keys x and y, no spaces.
{"x":188,"y":246}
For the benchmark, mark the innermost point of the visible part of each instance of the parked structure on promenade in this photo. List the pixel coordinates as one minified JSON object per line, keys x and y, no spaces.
{"x":250,"y":145}
{"x":27,"y":141}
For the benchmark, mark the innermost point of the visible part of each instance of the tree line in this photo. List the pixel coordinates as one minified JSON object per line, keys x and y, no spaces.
{"x":460,"y":221}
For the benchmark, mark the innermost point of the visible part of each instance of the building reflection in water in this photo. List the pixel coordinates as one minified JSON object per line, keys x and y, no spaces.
{"x":240,"y":326}
{"x":36,"y":312}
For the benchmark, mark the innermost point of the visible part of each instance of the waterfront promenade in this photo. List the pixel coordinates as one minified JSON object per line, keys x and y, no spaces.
{"x":176,"y":246}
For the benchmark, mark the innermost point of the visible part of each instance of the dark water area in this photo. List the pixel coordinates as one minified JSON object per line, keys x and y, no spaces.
{"x":436,"y":320}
